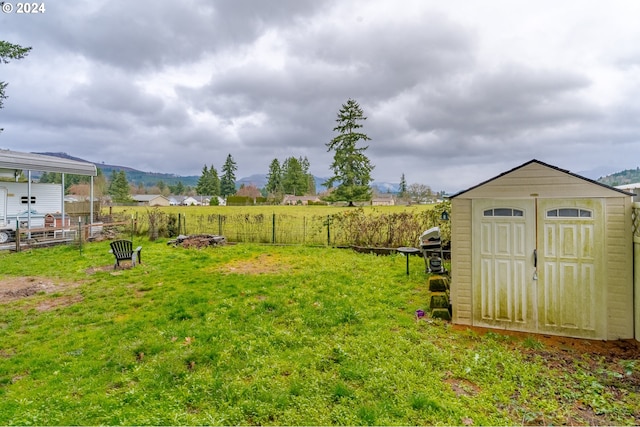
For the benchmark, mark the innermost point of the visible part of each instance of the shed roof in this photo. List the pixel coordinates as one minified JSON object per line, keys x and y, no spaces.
{"x":545,"y":165}
{"x":14,"y":160}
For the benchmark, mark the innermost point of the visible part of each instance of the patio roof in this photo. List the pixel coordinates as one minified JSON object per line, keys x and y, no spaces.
{"x":14,"y":160}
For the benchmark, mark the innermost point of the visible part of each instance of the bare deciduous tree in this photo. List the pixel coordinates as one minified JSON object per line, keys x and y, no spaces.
{"x":419,"y":193}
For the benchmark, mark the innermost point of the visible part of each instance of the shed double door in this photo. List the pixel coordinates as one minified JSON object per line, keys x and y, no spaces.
{"x":537,"y":264}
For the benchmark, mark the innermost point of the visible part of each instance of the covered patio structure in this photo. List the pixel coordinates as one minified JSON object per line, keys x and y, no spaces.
{"x":18,"y":198}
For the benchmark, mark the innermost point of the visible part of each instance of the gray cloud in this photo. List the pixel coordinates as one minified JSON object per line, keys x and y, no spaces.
{"x":453,"y":94}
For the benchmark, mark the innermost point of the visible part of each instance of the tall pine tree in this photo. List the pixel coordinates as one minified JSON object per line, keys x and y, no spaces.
{"x":274,"y":178}
{"x":215,"y":182}
{"x":209,"y":182}
{"x":402,"y":188}
{"x":310,"y":180}
{"x":228,"y":180}
{"x":119,"y":187}
{"x":351,"y":167}
{"x":294,"y":180}
{"x":202,"y":187}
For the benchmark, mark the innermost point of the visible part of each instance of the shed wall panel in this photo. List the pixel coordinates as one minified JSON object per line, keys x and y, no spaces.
{"x":461,"y":261}
{"x":619,"y":274}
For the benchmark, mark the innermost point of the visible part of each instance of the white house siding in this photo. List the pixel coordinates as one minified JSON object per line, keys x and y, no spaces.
{"x":48,"y":199}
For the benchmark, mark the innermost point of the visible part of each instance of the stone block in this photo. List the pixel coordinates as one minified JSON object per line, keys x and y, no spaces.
{"x":439,"y":300}
{"x":441,"y":313}
{"x":438,"y":283}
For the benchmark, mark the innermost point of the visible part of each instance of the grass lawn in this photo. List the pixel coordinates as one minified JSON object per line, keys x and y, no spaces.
{"x":250,"y":334}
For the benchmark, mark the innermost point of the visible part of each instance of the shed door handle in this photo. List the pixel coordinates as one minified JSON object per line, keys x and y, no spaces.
{"x":535,"y":258}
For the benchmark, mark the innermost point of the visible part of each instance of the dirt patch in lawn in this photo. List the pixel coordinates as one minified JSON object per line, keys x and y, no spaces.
{"x":620,"y":349}
{"x":15,"y":288}
{"x":263,"y":264}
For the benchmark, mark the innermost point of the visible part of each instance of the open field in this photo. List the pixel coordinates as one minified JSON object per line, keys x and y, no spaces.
{"x":380,"y":226}
{"x":312,"y":210}
{"x":277,"y":335}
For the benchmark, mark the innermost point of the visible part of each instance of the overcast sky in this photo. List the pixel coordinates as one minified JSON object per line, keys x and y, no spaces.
{"x":455,"y":92}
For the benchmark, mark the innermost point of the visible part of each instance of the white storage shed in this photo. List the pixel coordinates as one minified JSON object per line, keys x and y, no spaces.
{"x":540,"y":249}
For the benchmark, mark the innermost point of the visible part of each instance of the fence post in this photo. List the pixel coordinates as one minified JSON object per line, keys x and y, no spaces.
{"x":80,"y":234}
{"x":220,"y":225}
{"x":328,"y":230}
{"x":17,"y":235}
{"x":636,"y":284}
{"x":273,"y":228}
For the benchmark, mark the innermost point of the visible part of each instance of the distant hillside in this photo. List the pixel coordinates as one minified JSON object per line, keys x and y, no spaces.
{"x":135,"y":176}
{"x":149,"y":179}
{"x":629,"y":176}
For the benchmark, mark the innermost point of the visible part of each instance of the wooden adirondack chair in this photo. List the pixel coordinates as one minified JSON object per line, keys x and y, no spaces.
{"x":123,"y":251}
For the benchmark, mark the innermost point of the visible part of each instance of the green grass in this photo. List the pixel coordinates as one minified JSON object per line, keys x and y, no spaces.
{"x":248,"y":334}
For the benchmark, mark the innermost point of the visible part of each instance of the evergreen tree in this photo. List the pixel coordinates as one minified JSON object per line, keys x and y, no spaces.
{"x":70,"y":179}
{"x":228,"y":180}
{"x":209,"y":182}
{"x":402,"y":188}
{"x":45,"y":178}
{"x":203,"y":186}
{"x":274,"y":178}
{"x":310,"y":180}
{"x":119,"y":187}
{"x":351,"y":167}
{"x":10,"y":51}
{"x":177,"y":189}
{"x":215,"y":182}
{"x":112,"y":181}
{"x":311,"y":185}
{"x":294,"y":180}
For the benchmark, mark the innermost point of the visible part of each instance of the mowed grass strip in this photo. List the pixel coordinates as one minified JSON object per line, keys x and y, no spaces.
{"x":249,"y":334}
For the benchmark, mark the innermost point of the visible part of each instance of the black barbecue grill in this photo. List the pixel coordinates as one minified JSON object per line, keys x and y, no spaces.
{"x":431,"y":248}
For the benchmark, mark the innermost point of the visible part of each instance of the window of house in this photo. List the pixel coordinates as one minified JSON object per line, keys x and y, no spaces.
{"x":25,"y":200}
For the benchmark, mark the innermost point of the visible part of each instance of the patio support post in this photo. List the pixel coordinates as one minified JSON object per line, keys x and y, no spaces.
{"x":62,"y":202}
{"x":29,"y":204}
{"x":91,"y":208}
